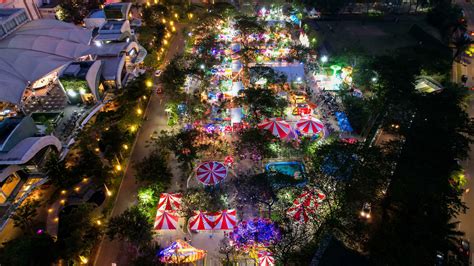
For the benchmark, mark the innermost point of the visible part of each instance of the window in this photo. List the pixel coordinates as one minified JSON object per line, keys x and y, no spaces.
{"x":10,"y":25}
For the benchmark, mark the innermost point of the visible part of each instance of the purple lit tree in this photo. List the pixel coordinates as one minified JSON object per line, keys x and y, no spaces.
{"x":258,"y":232}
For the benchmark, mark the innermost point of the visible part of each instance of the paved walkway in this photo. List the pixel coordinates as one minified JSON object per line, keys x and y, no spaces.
{"x":112,"y":251}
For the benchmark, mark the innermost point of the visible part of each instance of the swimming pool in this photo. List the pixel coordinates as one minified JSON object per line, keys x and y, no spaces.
{"x":294,"y":169}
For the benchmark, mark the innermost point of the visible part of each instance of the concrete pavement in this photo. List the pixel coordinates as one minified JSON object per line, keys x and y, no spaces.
{"x":113,"y":251}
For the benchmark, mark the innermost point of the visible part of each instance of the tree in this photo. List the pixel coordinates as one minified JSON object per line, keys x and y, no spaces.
{"x":229,"y":251}
{"x":111,"y":142}
{"x":29,"y":250}
{"x":57,"y":171}
{"x":24,"y":215}
{"x":76,"y":10}
{"x":78,"y":232}
{"x":262,"y":189}
{"x":294,"y":238}
{"x":154,"y":168}
{"x":153,"y":14}
{"x":201,"y":199}
{"x":132,"y":226}
{"x":255,"y":141}
{"x":263,"y":103}
{"x":247,"y":26}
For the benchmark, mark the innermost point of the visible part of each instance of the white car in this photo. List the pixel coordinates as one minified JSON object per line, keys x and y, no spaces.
{"x":157,"y":73}
{"x":366,"y":210}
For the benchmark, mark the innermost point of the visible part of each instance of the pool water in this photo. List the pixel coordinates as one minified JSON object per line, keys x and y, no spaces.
{"x":294,"y":169}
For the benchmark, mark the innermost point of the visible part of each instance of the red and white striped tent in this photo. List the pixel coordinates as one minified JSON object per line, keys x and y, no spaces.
{"x":265,"y":258}
{"x":310,"y":126}
{"x":211,"y":173}
{"x":200,"y":221}
{"x":225,"y":220}
{"x":278,"y":128}
{"x":299,"y":213}
{"x":169,"y":201}
{"x":166,"y":220}
{"x":310,"y":198}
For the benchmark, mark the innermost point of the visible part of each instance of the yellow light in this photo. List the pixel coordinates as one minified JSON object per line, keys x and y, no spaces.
{"x":109,"y":193}
{"x":165,"y":42}
{"x":83,"y":259}
{"x":133,"y":128}
{"x":125,"y":146}
{"x":99,"y":222}
{"x":56,"y":219}
{"x":139,"y":111}
{"x":173,"y":29}
{"x":144,"y":97}
{"x":50,"y":210}
{"x":171,"y":23}
{"x":98,"y":139}
{"x":118,"y":167}
{"x":63,"y":201}
{"x":85,"y":179}
{"x":168,"y":35}
{"x":149,"y":83}
{"x":77,"y":189}
{"x":162,"y":49}
{"x":148,"y":3}
{"x":190,"y":15}
{"x":156,"y":1}
{"x":63,"y":192}
{"x":96,"y":149}
{"x":163,"y":20}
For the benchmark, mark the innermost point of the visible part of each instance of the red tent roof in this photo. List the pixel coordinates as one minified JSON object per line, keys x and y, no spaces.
{"x":200,"y":221}
{"x":169,"y":201}
{"x":166,"y":220}
{"x":225,"y":220}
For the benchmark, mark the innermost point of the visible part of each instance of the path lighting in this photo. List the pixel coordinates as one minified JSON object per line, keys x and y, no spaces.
{"x":83,"y":259}
{"x":139,"y":111}
{"x":163,"y":20}
{"x":202,"y":66}
{"x":125,"y":146}
{"x":176,"y":15}
{"x":190,"y":15}
{"x":63,"y":192}
{"x":374,"y":79}
{"x":156,"y":1}
{"x":50,"y":210}
{"x":118,"y":167}
{"x":77,"y":189}
{"x":133,"y":128}
{"x":171,"y":22}
{"x":149,"y":83}
{"x":99,"y":222}
{"x":173,"y":29}
{"x":107,"y":191}
{"x":85,"y":179}
{"x":63,"y":201}
{"x":56,"y":219}
{"x":165,"y":42}
{"x":324,"y":59}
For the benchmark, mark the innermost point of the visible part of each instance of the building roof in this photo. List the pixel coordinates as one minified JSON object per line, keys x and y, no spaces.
{"x":26,"y":149}
{"x":35,"y":50}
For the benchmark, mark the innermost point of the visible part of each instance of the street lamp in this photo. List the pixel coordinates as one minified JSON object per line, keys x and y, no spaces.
{"x":324,"y":59}
{"x":202,"y":66}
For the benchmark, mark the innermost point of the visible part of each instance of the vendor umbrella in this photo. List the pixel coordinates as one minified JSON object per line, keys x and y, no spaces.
{"x":310,"y":126}
{"x":166,"y":220}
{"x":211,"y":173}
{"x":265,"y":258}
{"x":280,"y":129}
{"x":169,"y":201}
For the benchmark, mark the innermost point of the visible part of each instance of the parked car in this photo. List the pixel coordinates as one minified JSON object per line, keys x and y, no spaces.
{"x":157,"y":73}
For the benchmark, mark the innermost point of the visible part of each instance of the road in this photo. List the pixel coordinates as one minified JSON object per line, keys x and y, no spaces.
{"x":114,"y":251}
{"x":467,"y":220}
